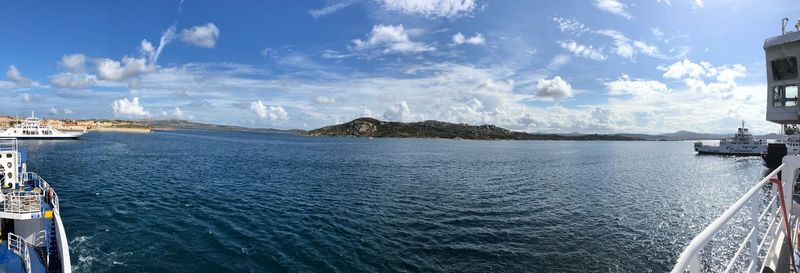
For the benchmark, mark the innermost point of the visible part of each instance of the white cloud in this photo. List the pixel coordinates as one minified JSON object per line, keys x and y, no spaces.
{"x":129,"y":108}
{"x":685,"y":68}
{"x":202,"y":36}
{"x":613,"y":6}
{"x":698,"y":4}
{"x":19,"y":81}
{"x":393,"y":39}
{"x":604,"y":117}
{"x":401,"y":112}
{"x":570,"y":25}
{"x":628,"y":48}
{"x":147,"y":49}
{"x":558,"y":61}
{"x":70,"y":80}
{"x":275,"y":114}
{"x":26,"y":97}
{"x":165,"y":39}
{"x":56,"y":111}
{"x":177,"y":113}
{"x":657,"y":33}
{"x":431,"y":8}
{"x":324,"y":100}
{"x":554,"y":88}
{"x":73,"y":62}
{"x":108,"y":69}
{"x":647,"y":49}
{"x":722,"y":79}
{"x":459,"y":38}
{"x":729,"y":74}
{"x":75,"y":76}
{"x":583,"y":51}
{"x":637,"y":87}
{"x":332,"y":8}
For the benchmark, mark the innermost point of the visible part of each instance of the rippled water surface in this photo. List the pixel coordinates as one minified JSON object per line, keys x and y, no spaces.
{"x":190,"y":201}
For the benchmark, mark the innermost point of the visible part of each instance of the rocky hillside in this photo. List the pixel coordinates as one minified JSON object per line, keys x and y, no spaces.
{"x":369,"y":127}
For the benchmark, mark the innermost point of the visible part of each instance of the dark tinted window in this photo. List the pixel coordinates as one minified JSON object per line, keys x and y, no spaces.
{"x":784,"y":69}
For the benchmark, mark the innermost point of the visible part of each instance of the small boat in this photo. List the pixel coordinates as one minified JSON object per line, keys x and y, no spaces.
{"x":743,"y":144}
{"x":32,"y":128}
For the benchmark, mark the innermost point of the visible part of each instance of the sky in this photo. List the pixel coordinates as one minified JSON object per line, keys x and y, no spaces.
{"x":593,"y":66}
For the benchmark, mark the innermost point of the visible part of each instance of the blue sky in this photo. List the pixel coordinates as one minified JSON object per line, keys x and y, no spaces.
{"x":539,"y":66}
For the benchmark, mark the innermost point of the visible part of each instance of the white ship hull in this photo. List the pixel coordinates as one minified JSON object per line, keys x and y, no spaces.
{"x":33,"y":129}
{"x":732,"y":149}
{"x":61,"y":135}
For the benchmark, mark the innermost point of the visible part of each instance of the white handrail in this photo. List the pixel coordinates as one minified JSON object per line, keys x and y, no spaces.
{"x":18,"y":202}
{"x":41,"y":183}
{"x":18,"y":245}
{"x":8,"y":144}
{"x":689,"y":254}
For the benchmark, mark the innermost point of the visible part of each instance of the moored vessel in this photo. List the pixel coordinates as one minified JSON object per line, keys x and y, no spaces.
{"x":742,"y":143}
{"x":32,"y":128}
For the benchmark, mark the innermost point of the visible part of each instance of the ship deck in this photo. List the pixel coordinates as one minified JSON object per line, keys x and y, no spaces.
{"x":35,"y":207}
{"x":10,"y":262}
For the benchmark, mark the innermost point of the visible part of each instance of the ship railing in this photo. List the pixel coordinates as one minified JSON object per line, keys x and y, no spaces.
{"x":752,"y":250}
{"x":22,"y":202}
{"x":18,"y":245}
{"x":39,"y":238}
{"x":8,"y":144}
{"x":39,"y":182}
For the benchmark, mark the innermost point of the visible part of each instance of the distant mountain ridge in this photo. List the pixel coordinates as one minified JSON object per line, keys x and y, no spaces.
{"x":172,"y":124}
{"x":370,"y":127}
{"x":687,"y":135}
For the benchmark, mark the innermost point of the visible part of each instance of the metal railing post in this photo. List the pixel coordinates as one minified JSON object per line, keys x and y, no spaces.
{"x":754,"y":238}
{"x":694,"y":264}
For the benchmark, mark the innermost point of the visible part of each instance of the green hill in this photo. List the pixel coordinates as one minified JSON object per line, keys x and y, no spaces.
{"x":370,"y":127}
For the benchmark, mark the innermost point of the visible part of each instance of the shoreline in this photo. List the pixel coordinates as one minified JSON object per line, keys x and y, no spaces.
{"x":123,"y":130}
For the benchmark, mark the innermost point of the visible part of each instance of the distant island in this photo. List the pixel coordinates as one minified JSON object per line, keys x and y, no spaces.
{"x":176,"y":124}
{"x":370,"y":127}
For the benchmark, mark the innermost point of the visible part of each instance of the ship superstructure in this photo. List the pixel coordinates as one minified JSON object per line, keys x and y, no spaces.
{"x":743,"y":143}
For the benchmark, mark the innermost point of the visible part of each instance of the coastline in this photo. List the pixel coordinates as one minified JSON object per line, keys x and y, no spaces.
{"x":122,"y":130}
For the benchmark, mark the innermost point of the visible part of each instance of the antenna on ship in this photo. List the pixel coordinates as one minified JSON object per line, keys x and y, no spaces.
{"x":783,"y":25}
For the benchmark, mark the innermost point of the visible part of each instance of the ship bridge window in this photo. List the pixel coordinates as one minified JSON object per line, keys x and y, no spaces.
{"x":784,"y":96}
{"x":784,"y":69}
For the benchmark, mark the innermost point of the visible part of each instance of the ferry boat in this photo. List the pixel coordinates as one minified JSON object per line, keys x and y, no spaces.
{"x":759,"y":232}
{"x":32,"y":236}
{"x":32,"y":128}
{"x":743,"y":144}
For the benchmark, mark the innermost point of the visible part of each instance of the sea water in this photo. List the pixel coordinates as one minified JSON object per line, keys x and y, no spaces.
{"x":199,"y":201}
